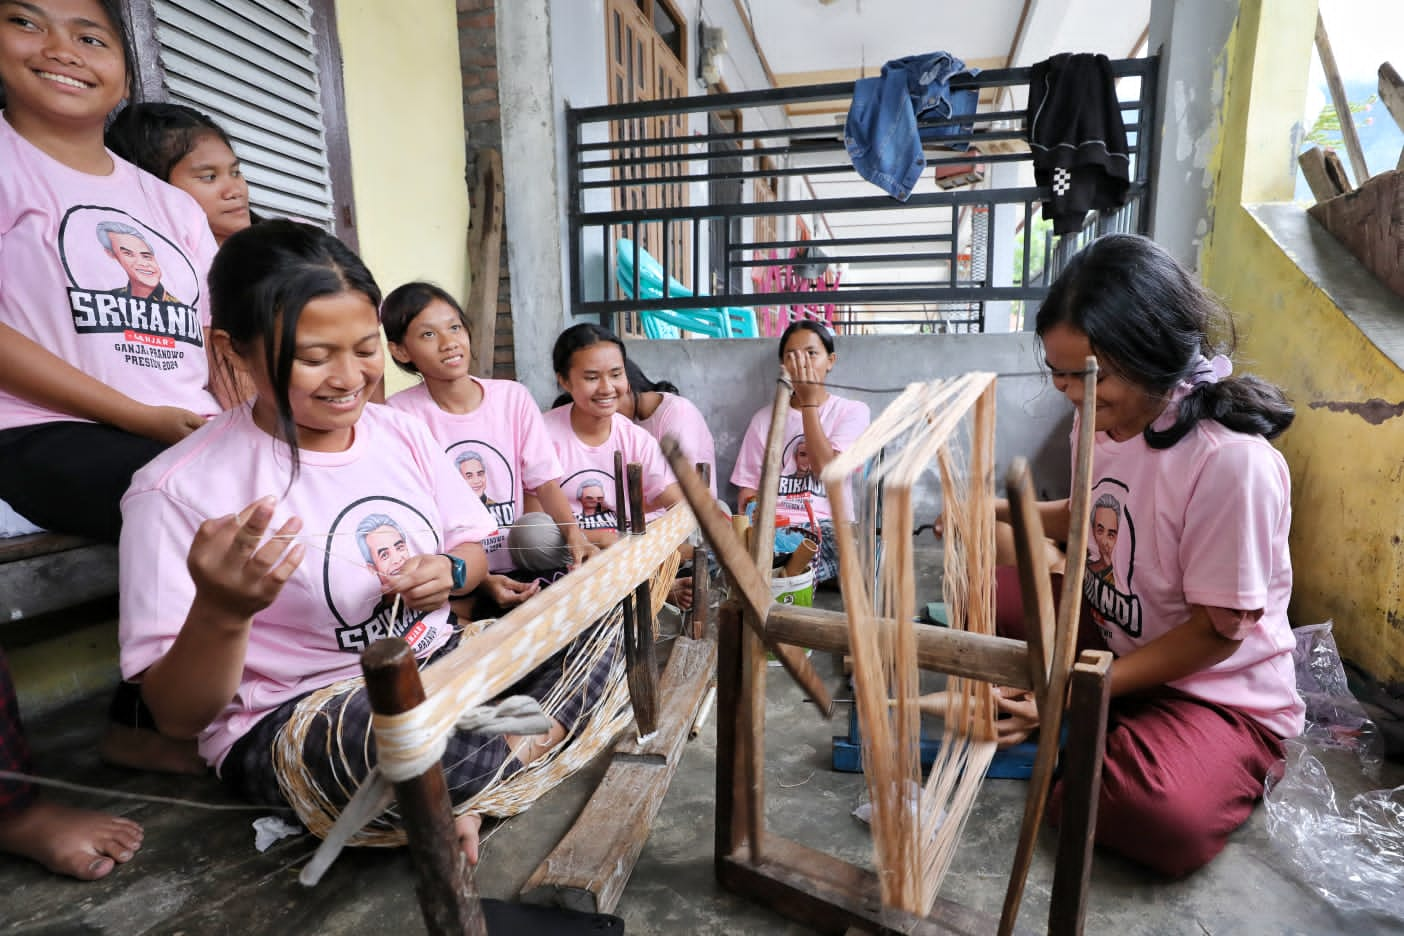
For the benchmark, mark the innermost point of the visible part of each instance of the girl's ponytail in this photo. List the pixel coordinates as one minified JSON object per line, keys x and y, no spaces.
{"x":1244,"y":404}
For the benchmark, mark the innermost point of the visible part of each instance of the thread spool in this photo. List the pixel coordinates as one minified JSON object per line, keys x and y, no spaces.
{"x":801,"y":558}
{"x":536,"y":543}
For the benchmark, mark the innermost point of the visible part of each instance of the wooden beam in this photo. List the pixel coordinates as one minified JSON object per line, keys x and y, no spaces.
{"x":590,"y":866}
{"x":1088,"y":697}
{"x":998,"y":660}
{"x":639,"y":636}
{"x":1341,"y":103}
{"x":1034,"y":581}
{"x":443,"y":878}
{"x":484,"y":260}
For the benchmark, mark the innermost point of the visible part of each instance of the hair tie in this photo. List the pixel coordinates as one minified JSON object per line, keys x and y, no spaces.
{"x":1208,"y":371}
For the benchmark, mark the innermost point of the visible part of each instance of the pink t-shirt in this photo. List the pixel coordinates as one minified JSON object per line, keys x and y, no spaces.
{"x":677,"y":416}
{"x":108,"y":273}
{"x":1203,"y":522}
{"x":501,"y":449}
{"x":388,"y":497}
{"x":587,"y":472}
{"x":842,"y":420}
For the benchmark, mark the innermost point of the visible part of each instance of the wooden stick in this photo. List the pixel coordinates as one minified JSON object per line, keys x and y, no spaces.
{"x":643,"y":665}
{"x":1064,"y":649}
{"x":448,"y":895}
{"x":1341,"y":103}
{"x":751,"y":588}
{"x":1391,"y":88}
{"x":1082,"y":787}
{"x":731,"y":816}
{"x":1034,"y":581}
{"x":698,"y":621}
{"x":763,"y":521}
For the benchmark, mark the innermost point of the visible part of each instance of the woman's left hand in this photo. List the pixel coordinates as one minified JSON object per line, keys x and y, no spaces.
{"x":423,"y":582}
{"x":508,"y":592}
{"x":1021,"y":715}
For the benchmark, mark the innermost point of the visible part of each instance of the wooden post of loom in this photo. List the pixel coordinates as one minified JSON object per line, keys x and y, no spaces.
{"x":698,"y":621}
{"x":643,"y":666}
{"x":443,"y":879}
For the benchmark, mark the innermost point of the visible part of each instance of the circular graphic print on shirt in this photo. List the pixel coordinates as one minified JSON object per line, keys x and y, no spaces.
{"x":371,"y":537}
{"x":130,"y":279}
{"x":489,"y":475}
{"x":591,"y":492}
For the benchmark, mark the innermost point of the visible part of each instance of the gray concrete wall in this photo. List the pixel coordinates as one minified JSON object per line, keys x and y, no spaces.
{"x":729,"y":380}
{"x":1191,"y":37}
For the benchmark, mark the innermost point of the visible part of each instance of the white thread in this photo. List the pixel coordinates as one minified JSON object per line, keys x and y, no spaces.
{"x":16,"y":776}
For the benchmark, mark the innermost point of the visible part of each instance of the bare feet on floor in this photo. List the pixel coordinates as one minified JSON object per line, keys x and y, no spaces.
{"x":144,"y":749}
{"x":467,"y":826}
{"x":76,"y":842}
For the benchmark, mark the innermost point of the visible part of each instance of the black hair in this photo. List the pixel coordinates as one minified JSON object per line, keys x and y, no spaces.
{"x":638,"y":383}
{"x":826,"y":336}
{"x":577,"y":338}
{"x":1149,"y":321}
{"x":261,"y":280}
{"x":404,"y":303}
{"x":113,"y":9}
{"x":155,"y":135}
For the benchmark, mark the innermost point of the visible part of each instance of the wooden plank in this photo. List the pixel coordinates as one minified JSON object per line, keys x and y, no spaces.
{"x":821,"y":891}
{"x":13,"y":548}
{"x":485,"y":261}
{"x":1391,"y":88}
{"x":999,"y":660}
{"x":1323,"y":184}
{"x":589,"y":868}
{"x":47,"y":582}
{"x":1341,"y":103}
{"x":443,"y":878}
{"x":1089,"y":695}
{"x":731,"y":820}
{"x":1370,"y":223}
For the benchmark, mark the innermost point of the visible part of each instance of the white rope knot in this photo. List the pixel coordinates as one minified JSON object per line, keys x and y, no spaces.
{"x":405,"y":761}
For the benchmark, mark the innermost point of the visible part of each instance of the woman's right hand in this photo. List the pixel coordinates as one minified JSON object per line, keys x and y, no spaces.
{"x":167,"y":424}
{"x":234,"y":568}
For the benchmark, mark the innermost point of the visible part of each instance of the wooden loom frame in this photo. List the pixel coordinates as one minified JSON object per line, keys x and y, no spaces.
{"x":833,"y":895}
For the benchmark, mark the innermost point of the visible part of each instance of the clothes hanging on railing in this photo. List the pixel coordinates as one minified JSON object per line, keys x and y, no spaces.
{"x":881,"y":132}
{"x":1078,"y":138}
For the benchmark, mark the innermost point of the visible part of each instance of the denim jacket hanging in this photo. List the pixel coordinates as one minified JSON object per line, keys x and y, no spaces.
{"x":881,"y":132}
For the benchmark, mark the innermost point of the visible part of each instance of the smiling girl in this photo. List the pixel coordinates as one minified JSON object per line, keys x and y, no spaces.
{"x":229,"y":628}
{"x":590,"y":366}
{"x":103,"y":314}
{"x":1189,"y":575}
{"x":490,"y":429}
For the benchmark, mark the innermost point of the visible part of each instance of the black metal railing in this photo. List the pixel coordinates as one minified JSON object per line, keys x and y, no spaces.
{"x":758,"y":226}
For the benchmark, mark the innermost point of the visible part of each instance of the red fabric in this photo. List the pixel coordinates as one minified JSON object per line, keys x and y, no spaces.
{"x":15,"y":797}
{"x":1179,"y":774}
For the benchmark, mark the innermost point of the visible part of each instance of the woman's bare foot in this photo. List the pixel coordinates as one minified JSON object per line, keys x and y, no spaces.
{"x":467,"y":826}
{"x":144,"y":749}
{"x":77,"y":842}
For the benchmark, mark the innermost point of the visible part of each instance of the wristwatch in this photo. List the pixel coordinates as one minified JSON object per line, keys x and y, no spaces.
{"x":460,"y":571}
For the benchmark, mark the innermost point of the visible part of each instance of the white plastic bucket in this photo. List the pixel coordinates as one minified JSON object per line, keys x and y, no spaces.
{"x":794,"y":589}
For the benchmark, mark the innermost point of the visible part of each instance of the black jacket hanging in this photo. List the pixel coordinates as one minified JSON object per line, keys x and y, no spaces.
{"x":1078,"y":138}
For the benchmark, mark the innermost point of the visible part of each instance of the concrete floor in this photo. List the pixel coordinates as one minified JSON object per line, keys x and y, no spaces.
{"x":199,"y":873}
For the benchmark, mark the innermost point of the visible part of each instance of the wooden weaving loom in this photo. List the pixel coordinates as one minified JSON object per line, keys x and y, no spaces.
{"x":411,"y":711}
{"x":817,"y":889}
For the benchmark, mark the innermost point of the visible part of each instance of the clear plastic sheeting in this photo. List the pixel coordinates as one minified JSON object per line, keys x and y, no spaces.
{"x":1352,"y":855}
{"x":1335,"y":719}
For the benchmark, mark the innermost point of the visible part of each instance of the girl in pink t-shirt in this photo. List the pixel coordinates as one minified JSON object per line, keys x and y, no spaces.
{"x":491,"y":430}
{"x":1187,"y":573}
{"x":818,"y":426}
{"x":590,"y":366}
{"x":103,"y":316}
{"x":229,"y":627}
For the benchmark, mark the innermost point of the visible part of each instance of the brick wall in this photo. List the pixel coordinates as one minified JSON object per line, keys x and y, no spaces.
{"x":477,"y":51}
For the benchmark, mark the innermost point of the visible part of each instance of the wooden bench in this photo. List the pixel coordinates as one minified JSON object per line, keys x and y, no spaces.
{"x":44,"y":572}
